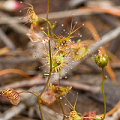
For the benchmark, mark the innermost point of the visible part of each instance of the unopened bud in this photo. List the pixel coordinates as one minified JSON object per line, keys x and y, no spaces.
{"x":101,"y":59}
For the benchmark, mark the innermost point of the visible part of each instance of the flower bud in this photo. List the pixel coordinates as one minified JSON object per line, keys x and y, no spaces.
{"x":101,"y":59}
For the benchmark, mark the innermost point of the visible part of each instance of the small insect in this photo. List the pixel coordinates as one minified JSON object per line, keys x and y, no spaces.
{"x":12,"y":95}
{"x":32,"y":17}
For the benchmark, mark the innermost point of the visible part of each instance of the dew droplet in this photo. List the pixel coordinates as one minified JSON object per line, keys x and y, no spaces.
{"x":21,"y":2}
{"x":65,"y":77}
{"x":83,"y":24}
{"x":62,"y":25}
{"x":60,"y":98}
{"x":80,"y":35}
{"x":64,"y":30}
{"x":76,"y":22}
{"x":20,"y":11}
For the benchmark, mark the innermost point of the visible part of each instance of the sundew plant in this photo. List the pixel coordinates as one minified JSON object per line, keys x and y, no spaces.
{"x":59,"y":50}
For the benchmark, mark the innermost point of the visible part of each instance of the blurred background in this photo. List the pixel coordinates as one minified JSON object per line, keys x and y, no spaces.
{"x":22,"y":68}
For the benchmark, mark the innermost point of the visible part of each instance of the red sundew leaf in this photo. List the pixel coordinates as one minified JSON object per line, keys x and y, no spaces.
{"x":47,"y":98}
{"x":90,"y":114}
{"x":12,"y":95}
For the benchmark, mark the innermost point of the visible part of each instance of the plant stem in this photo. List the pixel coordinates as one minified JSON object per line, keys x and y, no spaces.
{"x":103,"y":93}
{"x":93,"y":118}
{"x":40,"y":108}
{"x":50,"y":64}
{"x":45,"y":84}
{"x":62,"y":108}
{"x":47,"y":18}
{"x":59,"y":78}
{"x":60,"y":99}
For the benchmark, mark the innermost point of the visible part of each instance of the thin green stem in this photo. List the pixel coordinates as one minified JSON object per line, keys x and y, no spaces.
{"x":60,"y":99}
{"x":59,"y":78}
{"x":40,"y":108}
{"x":50,"y":57}
{"x":103,"y":93}
{"x":47,"y":18}
{"x":93,"y":118}
{"x":29,"y":92}
{"x":47,"y":80}
{"x":45,"y":84}
{"x":50,"y":64}
{"x":62,"y":108}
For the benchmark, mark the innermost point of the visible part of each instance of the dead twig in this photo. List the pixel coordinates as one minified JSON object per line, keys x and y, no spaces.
{"x":13,"y":112}
{"x":116,"y":115}
{"x":39,"y":81}
{"x":68,"y":13}
{"x":17,"y":71}
{"x":16,"y":26}
{"x":17,"y":60}
{"x":7,"y":41}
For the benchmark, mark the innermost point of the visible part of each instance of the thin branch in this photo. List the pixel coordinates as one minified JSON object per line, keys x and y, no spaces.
{"x":68,"y":13}
{"x":16,"y":26}
{"x":13,"y":112}
{"x":7,"y":41}
{"x":38,"y":80}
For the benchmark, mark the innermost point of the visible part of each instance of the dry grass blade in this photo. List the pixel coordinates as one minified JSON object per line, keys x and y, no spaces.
{"x":17,"y":71}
